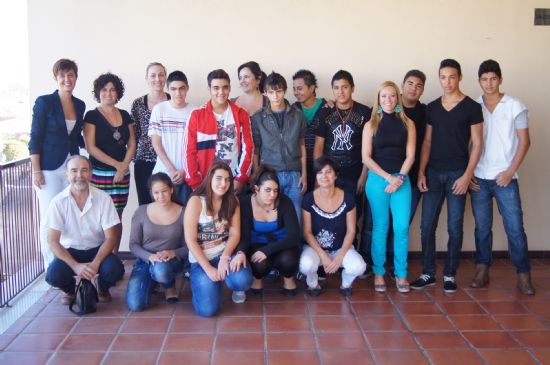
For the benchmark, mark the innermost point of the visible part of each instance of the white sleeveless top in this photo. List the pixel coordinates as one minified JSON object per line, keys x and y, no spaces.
{"x":212,"y":234}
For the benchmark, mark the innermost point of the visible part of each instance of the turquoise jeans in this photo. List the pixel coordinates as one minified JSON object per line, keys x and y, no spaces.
{"x":381,"y":203}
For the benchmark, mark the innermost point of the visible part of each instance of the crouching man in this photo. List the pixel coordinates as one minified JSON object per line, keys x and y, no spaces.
{"x":82,"y":232}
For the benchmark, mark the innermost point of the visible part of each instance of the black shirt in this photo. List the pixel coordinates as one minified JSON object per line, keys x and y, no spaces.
{"x":418,"y":116}
{"x":389,"y":144}
{"x":343,"y":139}
{"x":104,"y":139}
{"x":451,"y":133}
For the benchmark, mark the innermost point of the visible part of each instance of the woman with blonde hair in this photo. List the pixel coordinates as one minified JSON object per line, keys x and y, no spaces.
{"x":389,"y":140}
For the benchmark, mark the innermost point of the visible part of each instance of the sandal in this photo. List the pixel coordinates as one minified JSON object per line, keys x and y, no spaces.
{"x":380,"y":288}
{"x":402,"y":287}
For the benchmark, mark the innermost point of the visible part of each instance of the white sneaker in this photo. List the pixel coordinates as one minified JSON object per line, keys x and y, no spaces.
{"x":238,"y":297}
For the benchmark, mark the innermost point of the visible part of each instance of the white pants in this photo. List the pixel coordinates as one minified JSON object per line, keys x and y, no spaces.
{"x":55,"y":182}
{"x":353,"y":265}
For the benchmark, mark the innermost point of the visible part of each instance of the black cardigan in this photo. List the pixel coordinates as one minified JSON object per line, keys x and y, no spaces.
{"x":286,"y":217}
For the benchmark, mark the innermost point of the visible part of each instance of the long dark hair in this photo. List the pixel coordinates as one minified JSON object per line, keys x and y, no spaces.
{"x":229,"y":200}
{"x":165,"y":179}
{"x":263,"y":174}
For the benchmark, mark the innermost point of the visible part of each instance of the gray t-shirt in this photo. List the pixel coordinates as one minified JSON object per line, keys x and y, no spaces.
{"x":147,"y":237}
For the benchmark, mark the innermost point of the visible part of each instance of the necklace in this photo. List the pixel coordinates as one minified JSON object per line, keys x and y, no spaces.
{"x":116,"y":134}
{"x":261,"y":206}
{"x":344,"y":120}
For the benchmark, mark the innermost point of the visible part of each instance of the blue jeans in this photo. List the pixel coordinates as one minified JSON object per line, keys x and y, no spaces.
{"x":183,"y":192}
{"x":207,"y":294}
{"x":366,"y":246}
{"x":145,"y":276}
{"x":289,"y":184}
{"x":440,"y":184}
{"x":381,"y":203}
{"x":509,"y":206}
{"x":60,"y":275}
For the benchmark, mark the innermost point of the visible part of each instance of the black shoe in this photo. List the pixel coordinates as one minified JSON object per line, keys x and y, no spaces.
{"x":255,"y":291}
{"x":289,"y":293}
{"x":423,"y":281}
{"x":449,"y":285}
{"x":346,"y":292}
{"x":300,"y":277}
{"x":314,"y":292}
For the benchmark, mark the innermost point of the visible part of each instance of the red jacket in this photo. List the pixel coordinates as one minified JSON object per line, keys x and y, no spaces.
{"x":202,"y":135}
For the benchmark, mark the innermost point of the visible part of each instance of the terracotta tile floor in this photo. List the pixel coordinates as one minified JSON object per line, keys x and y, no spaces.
{"x":487,"y":326}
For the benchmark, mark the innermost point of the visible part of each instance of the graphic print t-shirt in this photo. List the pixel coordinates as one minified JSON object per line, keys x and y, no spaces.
{"x":226,"y":146}
{"x":343,"y":139}
{"x":329,"y":228}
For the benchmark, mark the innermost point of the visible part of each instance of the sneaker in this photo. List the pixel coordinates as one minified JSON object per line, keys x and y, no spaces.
{"x":449,"y":285}
{"x":423,"y":281}
{"x":300,"y":277}
{"x":238,"y":297}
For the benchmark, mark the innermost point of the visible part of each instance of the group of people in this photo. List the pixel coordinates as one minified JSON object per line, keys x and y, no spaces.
{"x":238,"y":189}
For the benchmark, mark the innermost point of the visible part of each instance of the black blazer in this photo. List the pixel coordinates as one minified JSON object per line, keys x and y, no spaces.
{"x":49,"y":137}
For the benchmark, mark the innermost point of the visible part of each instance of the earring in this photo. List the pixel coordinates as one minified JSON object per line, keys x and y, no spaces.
{"x":379,"y":110}
{"x":398,"y":108}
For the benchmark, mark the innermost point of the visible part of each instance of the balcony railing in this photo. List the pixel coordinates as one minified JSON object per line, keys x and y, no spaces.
{"x":21,"y":261}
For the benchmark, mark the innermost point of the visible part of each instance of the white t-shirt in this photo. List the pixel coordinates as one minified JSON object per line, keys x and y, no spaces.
{"x":227,"y":142}
{"x":500,"y":138}
{"x":82,"y":229}
{"x":171,"y":125}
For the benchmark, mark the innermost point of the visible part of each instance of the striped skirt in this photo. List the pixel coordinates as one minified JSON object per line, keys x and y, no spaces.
{"x":103,"y":179}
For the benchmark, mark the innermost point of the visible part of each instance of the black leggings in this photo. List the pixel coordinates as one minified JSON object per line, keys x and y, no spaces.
{"x":286,"y":261}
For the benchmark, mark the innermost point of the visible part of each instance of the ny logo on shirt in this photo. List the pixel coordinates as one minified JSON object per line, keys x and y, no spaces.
{"x":342,"y":137}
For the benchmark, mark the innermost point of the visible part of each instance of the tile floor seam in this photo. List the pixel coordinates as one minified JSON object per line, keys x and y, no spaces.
{"x":510,"y":333}
{"x":165,"y":339}
{"x":264,"y":329}
{"x":401,"y":316}
{"x":461,"y":334}
{"x":117,"y":333}
{"x":215,"y":339}
{"x":71,"y":331}
{"x":364,"y":335}
{"x":314,"y":332}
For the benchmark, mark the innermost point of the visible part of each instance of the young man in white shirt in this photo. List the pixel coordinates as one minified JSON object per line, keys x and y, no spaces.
{"x":82,"y":233}
{"x":506,"y":142}
{"x":168,"y":132}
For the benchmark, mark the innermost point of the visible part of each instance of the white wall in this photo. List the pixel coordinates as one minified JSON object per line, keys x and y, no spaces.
{"x":374,"y":40}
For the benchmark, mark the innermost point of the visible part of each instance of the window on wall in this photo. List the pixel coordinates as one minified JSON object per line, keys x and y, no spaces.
{"x":14,"y":81}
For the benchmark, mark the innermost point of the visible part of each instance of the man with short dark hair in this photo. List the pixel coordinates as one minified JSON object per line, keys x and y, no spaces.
{"x":454,"y":122}
{"x":219,"y":131}
{"x":506,"y":142}
{"x":168,"y":131}
{"x":339,"y":135}
{"x":278,"y":130}
{"x":82,"y":232}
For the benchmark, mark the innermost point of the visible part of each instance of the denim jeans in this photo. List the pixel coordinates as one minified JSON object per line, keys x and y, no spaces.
{"x":145,"y":276}
{"x":381,"y":203}
{"x":509,"y":206}
{"x":183,"y":192}
{"x":60,"y":275}
{"x":440,"y":184}
{"x":366,"y":245}
{"x":207,"y":294}
{"x":289,"y":184}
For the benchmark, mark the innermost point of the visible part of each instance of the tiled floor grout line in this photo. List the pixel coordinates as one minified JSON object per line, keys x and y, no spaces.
{"x":215,"y":340}
{"x":313,"y":331}
{"x":402,"y":318}
{"x":509,"y":332}
{"x":458,"y":330}
{"x":264,"y":329}
{"x":118,"y":332}
{"x":165,"y":339}
{"x":364,"y":334}
{"x":71,"y":331}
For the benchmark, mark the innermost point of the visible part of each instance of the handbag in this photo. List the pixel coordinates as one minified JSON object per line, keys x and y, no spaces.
{"x":85,"y":300}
